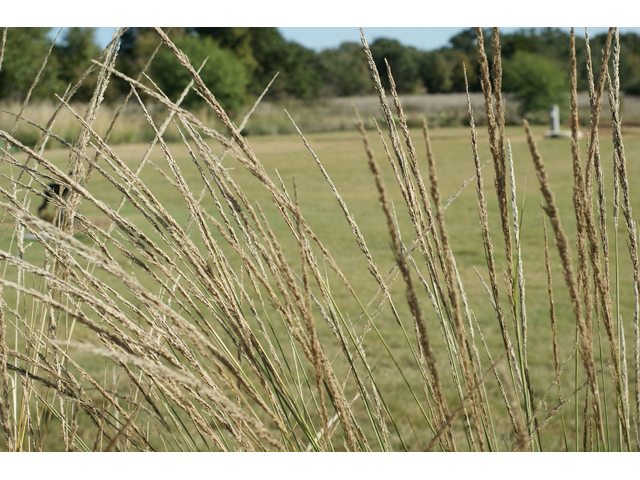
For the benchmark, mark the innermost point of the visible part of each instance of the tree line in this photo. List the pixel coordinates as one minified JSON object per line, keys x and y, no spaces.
{"x":243,"y":60}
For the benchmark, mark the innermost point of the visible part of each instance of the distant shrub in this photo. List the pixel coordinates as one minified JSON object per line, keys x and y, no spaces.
{"x":223,"y":73}
{"x":536,"y":82}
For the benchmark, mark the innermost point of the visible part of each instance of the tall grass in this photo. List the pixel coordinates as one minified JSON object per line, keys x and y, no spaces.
{"x":192,"y":317}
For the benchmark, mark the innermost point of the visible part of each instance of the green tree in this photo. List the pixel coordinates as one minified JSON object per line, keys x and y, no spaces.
{"x":404,"y":63}
{"x":237,"y":40}
{"x":630,"y":63}
{"x":555,"y":43}
{"x":523,"y":40}
{"x":536,"y":81}
{"x":268,"y":51}
{"x":24,"y":53}
{"x":137,"y":44}
{"x":435,"y":72}
{"x":300,"y":71}
{"x":223,"y":74}
{"x":467,"y":42}
{"x":630,"y":73}
{"x":264,"y":52}
{"x":297,"y":67}
{"x":74,"y":56}
{"x":456,"y":62}
{"x":463,"y":53}
{"x":345,"y":71}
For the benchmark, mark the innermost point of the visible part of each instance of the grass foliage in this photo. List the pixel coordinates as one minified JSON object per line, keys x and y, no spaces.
{"x":189,"y":299}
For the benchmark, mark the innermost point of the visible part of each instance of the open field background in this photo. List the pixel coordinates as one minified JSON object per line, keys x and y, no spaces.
{"x":325,"y":115}
{"x":152,"y":329}
{"x":344,"y":159}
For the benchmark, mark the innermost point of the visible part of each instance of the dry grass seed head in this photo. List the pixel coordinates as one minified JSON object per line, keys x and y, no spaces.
{"x":496,"y":144}
{"x":411,"y":297}
{"x":468,"y":367}
{"x":565,"y":255}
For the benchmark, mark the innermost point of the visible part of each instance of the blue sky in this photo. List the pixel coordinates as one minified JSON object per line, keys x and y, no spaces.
{"x":423,"y":38}
{"x":319,"y":38}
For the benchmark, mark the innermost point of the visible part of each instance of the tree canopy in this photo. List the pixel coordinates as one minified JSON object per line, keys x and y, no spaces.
{"x":24,"y":52}
{"x":536,"y":81}
{"x":223,"y":71}
{"x":243,"y":60}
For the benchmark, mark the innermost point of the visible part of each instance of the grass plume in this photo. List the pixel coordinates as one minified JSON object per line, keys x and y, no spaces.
{"x":199,"y":293}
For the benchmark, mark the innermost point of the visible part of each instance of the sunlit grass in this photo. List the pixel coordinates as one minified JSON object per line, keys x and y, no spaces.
{"x":227,"y":304}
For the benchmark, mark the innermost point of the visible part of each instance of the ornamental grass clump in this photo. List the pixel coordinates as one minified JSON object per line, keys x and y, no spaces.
{"x":187,"y":300}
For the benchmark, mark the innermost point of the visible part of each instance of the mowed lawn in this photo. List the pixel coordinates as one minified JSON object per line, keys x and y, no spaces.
{"x":344,"y":158}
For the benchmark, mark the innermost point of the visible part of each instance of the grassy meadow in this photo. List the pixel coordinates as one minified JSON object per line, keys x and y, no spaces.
{"x":210,"y":292}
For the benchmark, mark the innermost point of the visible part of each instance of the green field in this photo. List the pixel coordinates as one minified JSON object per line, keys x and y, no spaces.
{"x":344,"y":158}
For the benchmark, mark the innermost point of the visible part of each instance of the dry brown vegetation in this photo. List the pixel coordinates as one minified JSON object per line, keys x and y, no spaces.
{"x":192,"y":306}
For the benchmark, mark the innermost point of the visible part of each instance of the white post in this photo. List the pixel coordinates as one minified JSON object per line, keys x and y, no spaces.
{"x":554,"y":116}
